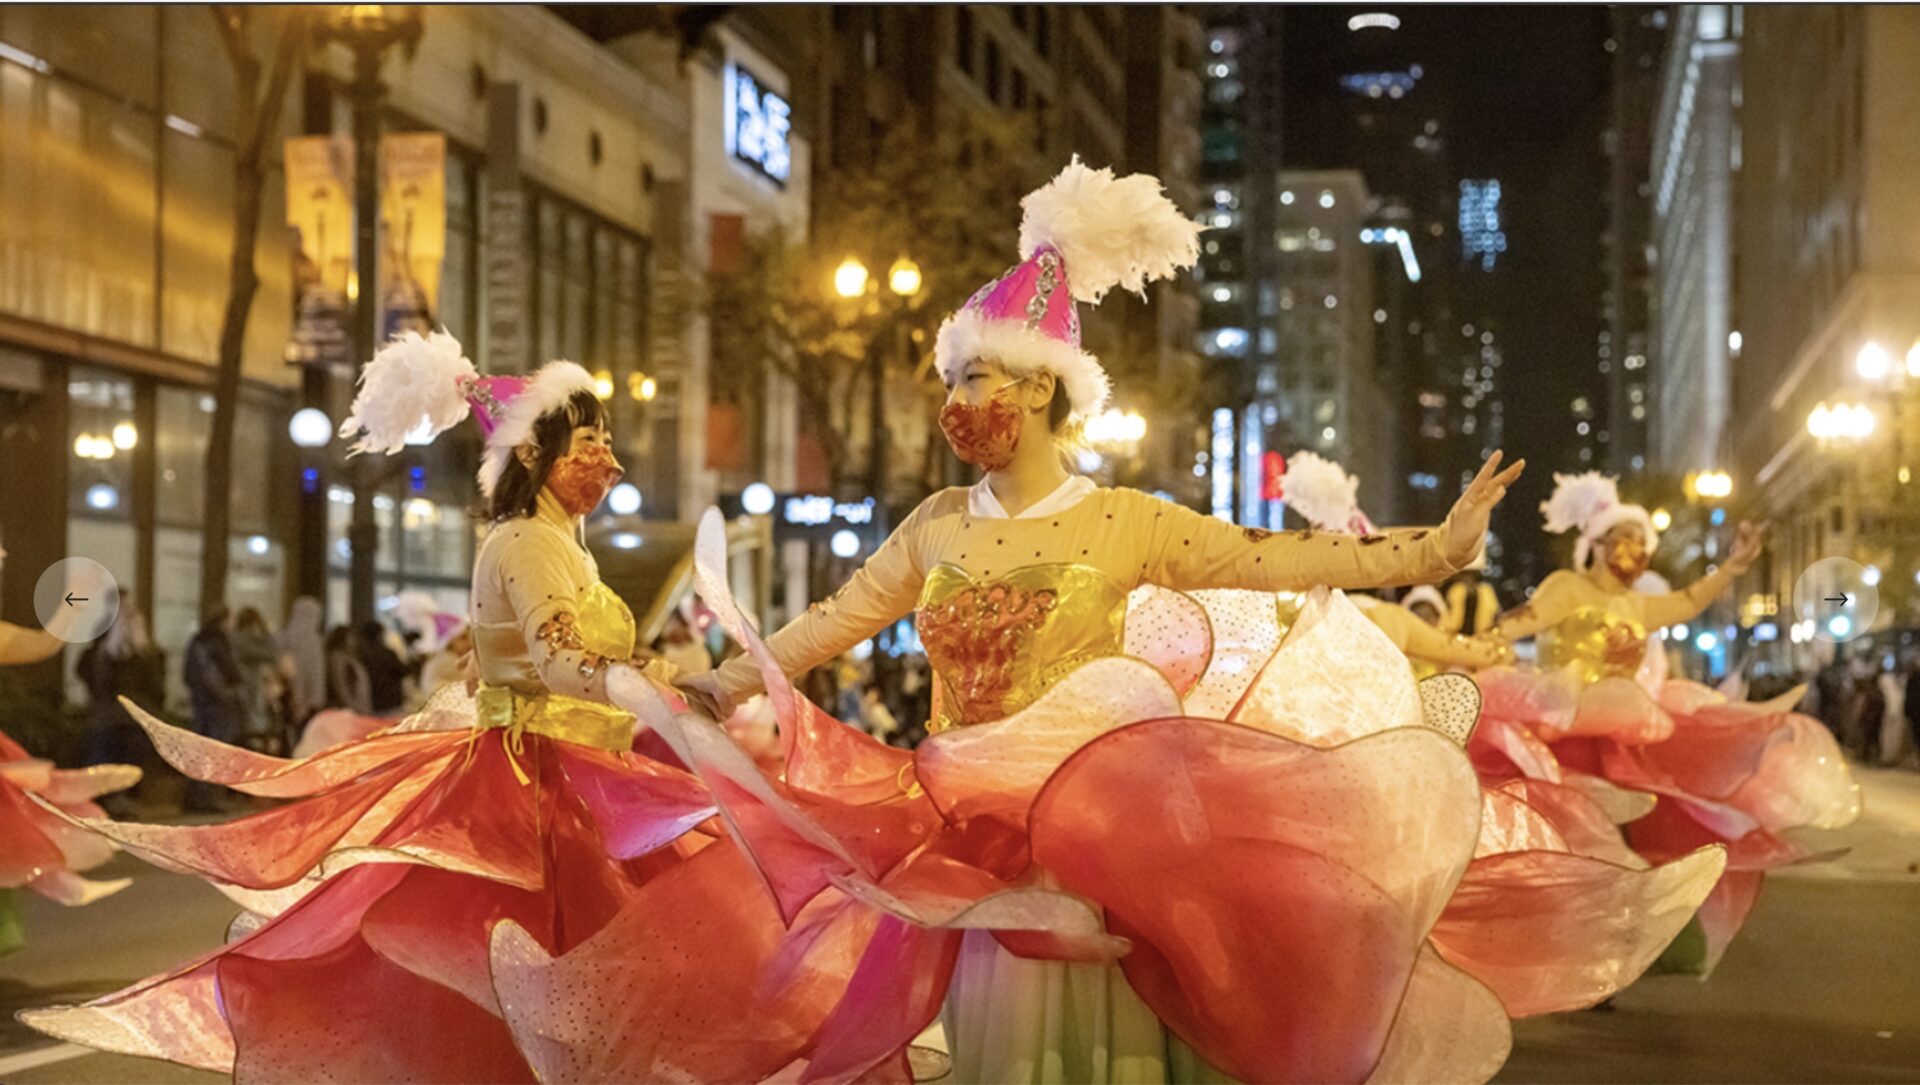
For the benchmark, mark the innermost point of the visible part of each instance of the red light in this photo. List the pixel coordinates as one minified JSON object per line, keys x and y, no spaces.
{"x":1273,"y":467}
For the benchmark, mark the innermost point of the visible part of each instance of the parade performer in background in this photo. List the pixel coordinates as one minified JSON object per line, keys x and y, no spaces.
{"x":1601,"y":705}
{"x":370,"y":899}
{"x":1298,"y":888}
{"x":38,"y":850}
{"x":1327,"y":497}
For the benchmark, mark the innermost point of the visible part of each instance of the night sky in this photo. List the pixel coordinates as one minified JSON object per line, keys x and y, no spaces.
{"x":1522,"y":95}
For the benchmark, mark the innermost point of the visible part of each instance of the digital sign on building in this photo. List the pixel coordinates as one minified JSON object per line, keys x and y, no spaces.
{"x":759,"y":125}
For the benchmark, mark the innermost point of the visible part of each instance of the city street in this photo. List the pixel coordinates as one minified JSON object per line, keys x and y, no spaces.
{"x":1821,"y":986}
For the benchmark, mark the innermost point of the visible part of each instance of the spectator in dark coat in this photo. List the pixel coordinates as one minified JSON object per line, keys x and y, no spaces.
{"x":218,"y":693}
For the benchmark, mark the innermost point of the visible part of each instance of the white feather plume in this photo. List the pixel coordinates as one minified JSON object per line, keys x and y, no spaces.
{"x":1110,"y":231}
{"x":1577,"y":499}
{"x":411,"y":382}
{"x":1320,"y":490}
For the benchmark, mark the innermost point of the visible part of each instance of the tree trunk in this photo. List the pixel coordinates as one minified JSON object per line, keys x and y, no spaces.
{"x":244,"y":282}
{"x":258,"y":116}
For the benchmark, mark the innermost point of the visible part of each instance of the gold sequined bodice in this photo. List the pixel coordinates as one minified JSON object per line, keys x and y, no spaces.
{"x":997,"y":644}
{"x":603,"y":626}
{"x":1600,"y":642}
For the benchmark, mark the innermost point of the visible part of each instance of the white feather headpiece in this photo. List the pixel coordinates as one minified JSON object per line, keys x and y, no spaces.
{"x":1082,"y":234}
{"x":1111,"y":231}
{"x":1322,"y":491}
{"x":1590,"y":503}
{"x":413,"y":385}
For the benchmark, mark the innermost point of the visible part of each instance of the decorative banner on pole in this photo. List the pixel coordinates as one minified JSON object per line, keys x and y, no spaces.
{"x":413,"y":228}
{"x":320,"y":210}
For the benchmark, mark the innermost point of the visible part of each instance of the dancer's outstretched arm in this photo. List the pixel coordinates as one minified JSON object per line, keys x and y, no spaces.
{"x":1687,"y":603}
{"x":882,"y":592}
{"x":1191,"y":552}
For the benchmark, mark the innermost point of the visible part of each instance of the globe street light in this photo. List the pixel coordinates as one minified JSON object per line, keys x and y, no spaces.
{"x":310,"y":428}
{"x":903,"y":278}
{"x":850,"y":278}
{"x":757,"y":499}
{"x":1872,"y":362}
{"x":1841,"y":422}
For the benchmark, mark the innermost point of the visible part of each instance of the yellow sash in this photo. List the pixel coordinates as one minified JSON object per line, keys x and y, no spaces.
{"x":555,"y":715}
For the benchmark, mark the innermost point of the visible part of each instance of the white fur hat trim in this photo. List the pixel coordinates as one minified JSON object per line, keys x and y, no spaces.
{"x":967,"y":335}
{"x":548,"y":389}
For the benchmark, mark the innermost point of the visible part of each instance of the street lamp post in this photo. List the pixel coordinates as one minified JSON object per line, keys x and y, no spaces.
{"x":368,"y":30}
{"x":851,"y":281}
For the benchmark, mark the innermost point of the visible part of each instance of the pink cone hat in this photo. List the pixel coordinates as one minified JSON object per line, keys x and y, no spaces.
{"x":1081,"y":235}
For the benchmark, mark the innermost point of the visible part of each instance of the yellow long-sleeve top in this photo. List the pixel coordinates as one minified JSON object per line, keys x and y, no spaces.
{"x":1429,"y":649}
{"x":1602,"y":628}
{"x":1033,"y":595}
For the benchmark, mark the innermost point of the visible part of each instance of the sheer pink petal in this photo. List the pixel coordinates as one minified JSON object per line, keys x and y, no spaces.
{"x":202,"y":758}
{"x":894,"y":993}
{"x":1337,"y":678}
{"x":349,"y":1015}
{"x":1803,"y":780}
{"x":679,"y":977}
{"x":1546,"y":698}
{"x":997,"y":768}
{"x":1583,"y":824}
{"x":1450,"y":1028}
{"x":1246,"y":631}
{"x":1620,"y":709}
{"x":177,"y":1016}
{"x":1725,"y":912}
{"x":1502,"y":747}
{"x":25,"y":851}
{"x":1508,"y":823}
{"x":638,"y":803}
{"x":1553,"y":931}
{"x":1277,"y":894}
{"x":66,"y":887}
{"x":261,"y":851}
{"x":1169,"y":629}
{"x":68,"y":786}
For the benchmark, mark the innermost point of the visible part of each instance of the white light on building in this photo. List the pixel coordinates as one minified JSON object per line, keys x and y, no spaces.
{"x":757,"y":499}
{"x":625,"y":500}
{"x":1222,"y":496}
{"x":258,"y":545}
{"x":1374,"y":20}
{"x":102,"y":496}
{"x":1326,"y":197}
{"x":1481,"y":236}
{"x":844,"y":543}
{"x":626,"y":540}
{"x":1872,"y":362}
{"x":310,"y":428}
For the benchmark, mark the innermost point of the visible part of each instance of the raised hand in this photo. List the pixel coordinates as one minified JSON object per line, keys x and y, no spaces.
{"x":1747,"y":543}
{"x":1467,"y":523}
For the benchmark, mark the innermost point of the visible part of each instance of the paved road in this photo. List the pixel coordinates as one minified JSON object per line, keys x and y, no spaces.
{"x":1822,"y":986}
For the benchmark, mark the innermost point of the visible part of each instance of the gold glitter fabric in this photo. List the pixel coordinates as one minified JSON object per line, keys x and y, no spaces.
{"x":1129,"y":537}
{"x":997,"y":645}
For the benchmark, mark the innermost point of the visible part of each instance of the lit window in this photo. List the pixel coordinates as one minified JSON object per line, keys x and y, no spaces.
{"x":1374,"y":20}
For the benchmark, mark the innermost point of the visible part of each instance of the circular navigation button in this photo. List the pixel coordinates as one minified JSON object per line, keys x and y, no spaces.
{"x":1837,"y":598}
{"x":76,"y":599}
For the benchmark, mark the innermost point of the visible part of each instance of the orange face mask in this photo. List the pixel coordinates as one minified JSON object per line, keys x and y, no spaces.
{"x":581,"y":480}
{"x":984,"y":434}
